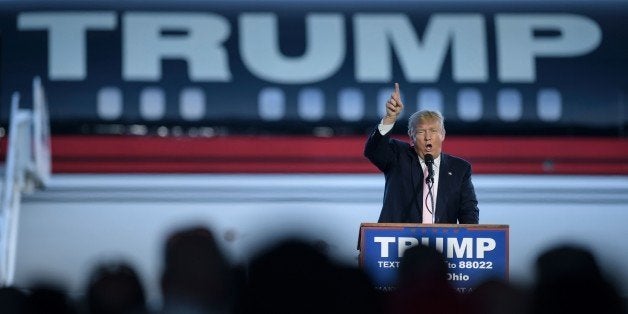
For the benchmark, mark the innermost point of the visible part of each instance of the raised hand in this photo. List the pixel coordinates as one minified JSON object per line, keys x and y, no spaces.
{"x":394,"y":106}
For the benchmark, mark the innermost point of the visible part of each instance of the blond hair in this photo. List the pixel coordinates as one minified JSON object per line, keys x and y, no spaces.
{"x":422,"y":116}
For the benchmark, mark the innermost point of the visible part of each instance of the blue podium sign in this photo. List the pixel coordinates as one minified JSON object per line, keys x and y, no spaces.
{"x":473,"y":253}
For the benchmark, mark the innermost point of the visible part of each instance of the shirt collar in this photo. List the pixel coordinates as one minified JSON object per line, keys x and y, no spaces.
{"x":436,"y":161}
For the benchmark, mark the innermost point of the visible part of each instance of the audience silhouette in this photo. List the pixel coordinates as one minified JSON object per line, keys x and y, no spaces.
{"x":48,"y":298}
{"x":12,"y":300}
{"x":497,"y":297}
{"x":569,"y":280}
{"x":115,"y":288}
{"x":297,"y":276}
{"x":196,"y":277}
{"x":422,"y":285}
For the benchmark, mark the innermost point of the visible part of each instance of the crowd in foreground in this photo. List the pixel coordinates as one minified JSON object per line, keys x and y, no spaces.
{"x":295,"y":276}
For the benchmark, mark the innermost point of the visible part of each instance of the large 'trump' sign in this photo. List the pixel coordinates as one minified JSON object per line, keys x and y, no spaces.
{"x":273,"y":66}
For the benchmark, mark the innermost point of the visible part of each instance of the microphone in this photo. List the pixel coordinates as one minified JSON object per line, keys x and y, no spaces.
{"x":429,"y":162}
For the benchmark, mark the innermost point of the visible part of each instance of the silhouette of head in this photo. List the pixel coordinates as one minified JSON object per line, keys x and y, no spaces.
{"x":196,"y":275}
{"x":289,"y":277}
{"x":421,"y":263}
{"x":422,"y":285}
{"x":48,"y":298}
{"x":12,"y":300}
{"x":569,"y":280}
{"x":115,"y":288}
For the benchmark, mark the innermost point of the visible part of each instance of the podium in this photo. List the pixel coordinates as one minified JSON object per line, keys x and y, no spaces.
{"x":474,"y":253}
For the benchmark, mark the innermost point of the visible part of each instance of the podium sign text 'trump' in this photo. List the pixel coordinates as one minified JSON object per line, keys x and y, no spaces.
{"x":474,"y":253}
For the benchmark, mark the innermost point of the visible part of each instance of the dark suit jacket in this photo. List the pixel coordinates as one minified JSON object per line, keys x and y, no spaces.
{"x":456,"y":200}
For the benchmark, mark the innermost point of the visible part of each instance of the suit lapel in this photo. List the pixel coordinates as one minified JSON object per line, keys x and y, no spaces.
{"x":417,"y":179}
{"x":417,"y":176}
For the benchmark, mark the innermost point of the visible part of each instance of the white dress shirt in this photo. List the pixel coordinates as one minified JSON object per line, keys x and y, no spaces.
{"x":435,"y":167}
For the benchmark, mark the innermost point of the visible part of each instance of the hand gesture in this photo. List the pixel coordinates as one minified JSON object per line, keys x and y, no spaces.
{"x":394,"y":106}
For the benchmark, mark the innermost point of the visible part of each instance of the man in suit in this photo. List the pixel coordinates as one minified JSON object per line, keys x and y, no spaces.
{"x":446,"y":197}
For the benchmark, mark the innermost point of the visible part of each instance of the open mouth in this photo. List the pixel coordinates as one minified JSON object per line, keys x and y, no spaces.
{"x":428,"y":147}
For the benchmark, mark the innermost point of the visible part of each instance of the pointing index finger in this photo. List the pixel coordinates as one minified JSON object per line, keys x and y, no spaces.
{"x":397,"y":89}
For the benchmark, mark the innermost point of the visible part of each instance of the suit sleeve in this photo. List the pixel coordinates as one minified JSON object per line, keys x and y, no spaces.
{"x":379,"y":150}
{"x":469,"y":212}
